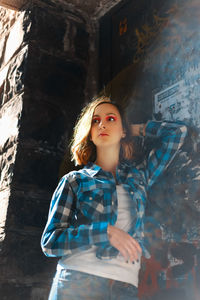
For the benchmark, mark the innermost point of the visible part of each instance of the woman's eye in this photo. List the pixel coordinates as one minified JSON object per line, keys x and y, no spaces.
{"x":94,"y":121}
{"x":112,"y":119}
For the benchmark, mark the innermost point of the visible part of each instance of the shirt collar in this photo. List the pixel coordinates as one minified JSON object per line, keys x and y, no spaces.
{"x":93,"y":169}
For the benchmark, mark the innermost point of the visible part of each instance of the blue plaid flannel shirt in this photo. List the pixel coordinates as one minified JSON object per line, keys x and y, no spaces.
{"x":85,"y":201}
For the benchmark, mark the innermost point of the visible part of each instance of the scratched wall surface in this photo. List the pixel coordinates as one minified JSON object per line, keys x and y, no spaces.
{"x":161,"y":79}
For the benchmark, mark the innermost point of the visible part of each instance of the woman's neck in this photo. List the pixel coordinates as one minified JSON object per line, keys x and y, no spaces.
{"x":108,"y":159}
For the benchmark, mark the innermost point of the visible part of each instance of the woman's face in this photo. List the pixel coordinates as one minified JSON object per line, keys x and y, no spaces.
{"x":106,"y":128}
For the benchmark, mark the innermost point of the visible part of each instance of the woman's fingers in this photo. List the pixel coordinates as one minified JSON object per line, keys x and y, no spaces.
{"x":137,"y":245}
{"x":132,"y":250}
{"x":127,"y":245}
{"x":129,"y":253}
{"x":125,"y":254}
{"x":136,"y":250}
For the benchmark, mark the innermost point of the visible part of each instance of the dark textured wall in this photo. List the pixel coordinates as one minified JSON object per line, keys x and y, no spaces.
{"x":45,"y":64}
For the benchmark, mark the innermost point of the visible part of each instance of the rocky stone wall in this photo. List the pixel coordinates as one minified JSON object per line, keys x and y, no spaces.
{"x":48,"y":56}
{"x":13,"y":52}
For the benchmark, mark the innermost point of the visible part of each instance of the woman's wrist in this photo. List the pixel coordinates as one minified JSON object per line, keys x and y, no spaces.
{"x":142,"y":129}
{"x":138,"y":129}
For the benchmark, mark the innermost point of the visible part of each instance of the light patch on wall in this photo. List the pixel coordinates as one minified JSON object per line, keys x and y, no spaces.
{"x":4,"y":196}
{"x":8,"y":127}
{"x":13,"y":4}
{"x":181,"y":101}
{"x":171,"y":102}
{"x":3,"y":74}
{"x":15,"y":39}
{"x":9,"y":121}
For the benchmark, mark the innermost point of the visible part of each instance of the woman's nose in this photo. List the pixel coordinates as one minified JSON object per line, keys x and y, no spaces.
{"x":102,"y":125}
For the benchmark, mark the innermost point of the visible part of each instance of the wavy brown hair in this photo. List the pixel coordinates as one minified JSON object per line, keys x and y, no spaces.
{"x":82,"y":148}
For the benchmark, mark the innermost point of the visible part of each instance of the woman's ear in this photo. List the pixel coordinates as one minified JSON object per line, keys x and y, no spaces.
{"x":124,"y":134}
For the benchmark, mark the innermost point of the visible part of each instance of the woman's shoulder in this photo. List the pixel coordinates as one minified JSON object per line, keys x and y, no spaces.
{"x":88,"y":170}
{"x":72,"y":175}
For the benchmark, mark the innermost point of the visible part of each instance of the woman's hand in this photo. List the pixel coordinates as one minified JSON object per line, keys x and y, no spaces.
{"x":124,"y":243}
{"x":138,"y":129}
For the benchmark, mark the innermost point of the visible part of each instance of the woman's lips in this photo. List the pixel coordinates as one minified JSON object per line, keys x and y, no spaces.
{"x":103,"y":134}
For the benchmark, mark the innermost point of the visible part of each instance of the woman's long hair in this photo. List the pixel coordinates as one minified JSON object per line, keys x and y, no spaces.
{"x":82,"y":148}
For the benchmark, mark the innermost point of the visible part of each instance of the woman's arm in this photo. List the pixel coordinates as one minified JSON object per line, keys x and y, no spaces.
{"x":138,"y":129}
{"x":60,"y":236}
{"x":171,"y":137}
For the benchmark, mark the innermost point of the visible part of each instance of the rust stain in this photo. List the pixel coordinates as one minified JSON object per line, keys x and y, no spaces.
{"x":123,"y":27}
{"x":153,"y":267}
{"x":149,"y":284}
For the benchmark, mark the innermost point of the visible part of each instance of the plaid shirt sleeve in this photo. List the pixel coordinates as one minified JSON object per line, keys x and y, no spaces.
{"x":172,"y":136}
{"x":60,"y":237}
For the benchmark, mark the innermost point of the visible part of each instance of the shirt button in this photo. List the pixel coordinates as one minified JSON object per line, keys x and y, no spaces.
{"x":132,"y":193}
{"x":141,"y":182}
{"x":90,"y":198}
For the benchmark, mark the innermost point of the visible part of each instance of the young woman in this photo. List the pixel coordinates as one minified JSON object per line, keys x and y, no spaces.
{"x":95,"y":221}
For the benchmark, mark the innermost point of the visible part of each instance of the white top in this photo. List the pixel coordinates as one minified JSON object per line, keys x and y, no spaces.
{"x":115,"y":268}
